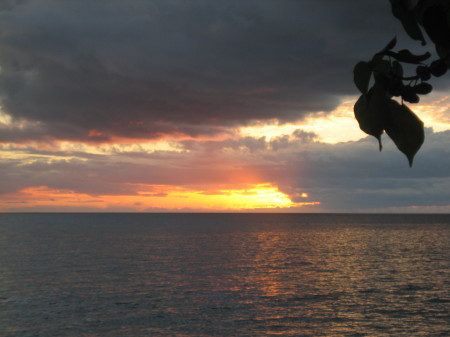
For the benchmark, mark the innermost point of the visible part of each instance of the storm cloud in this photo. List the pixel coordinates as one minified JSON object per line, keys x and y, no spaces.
{"x":92,"y":70}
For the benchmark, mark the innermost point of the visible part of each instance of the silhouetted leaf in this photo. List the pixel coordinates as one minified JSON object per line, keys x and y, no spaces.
{"x":406,"y":56}
{"x":390,"y":45}
{"x":405,"y":129}
{"x":435,"y":22}
{"x":397,"y":68}
{"x":382,"y":72}
{"x":423,"y":72}
{"x":407,"y":19}
{"x":409,"y":95}
{"x":443,"y":52}
{"x":438,"y":68}
{"x":423,"y":88}
{"x":382,"y":66}
{"x":361,"y":76}
{"x":367,"y":121}
{"x":396,"y":87}
{"x":371,"y":110}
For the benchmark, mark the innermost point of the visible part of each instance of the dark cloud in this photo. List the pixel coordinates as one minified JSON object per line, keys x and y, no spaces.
{"x":143,"y":68}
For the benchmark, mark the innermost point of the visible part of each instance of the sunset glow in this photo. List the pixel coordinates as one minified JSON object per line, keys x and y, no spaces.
{"x":163,"y":198}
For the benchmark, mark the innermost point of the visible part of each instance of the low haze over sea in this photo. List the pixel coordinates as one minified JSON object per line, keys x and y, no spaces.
{"x":224,"y":275}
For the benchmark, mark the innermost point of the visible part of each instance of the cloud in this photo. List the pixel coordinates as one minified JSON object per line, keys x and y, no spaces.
{"x":94,"y":70}
{"x":354,"y":176}
{"x":343,"y":177}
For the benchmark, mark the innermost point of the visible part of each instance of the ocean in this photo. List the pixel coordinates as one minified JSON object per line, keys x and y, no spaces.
{"x":224,"y":275}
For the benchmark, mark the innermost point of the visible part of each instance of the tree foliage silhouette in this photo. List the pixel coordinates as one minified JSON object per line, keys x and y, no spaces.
{"x":382,"y":78}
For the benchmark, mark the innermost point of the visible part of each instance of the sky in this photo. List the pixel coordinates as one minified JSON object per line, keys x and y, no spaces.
{"x":204,"y":106}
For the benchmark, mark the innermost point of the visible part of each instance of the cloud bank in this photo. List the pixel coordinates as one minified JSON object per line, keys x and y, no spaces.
{"x":350,"y":176}
{"x":93,"y":70}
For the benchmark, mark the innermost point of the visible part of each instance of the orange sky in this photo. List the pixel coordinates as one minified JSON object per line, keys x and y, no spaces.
{"x":172,"y":198}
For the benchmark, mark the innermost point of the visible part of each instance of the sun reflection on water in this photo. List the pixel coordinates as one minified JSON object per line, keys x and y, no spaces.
{"x":225,"y":275}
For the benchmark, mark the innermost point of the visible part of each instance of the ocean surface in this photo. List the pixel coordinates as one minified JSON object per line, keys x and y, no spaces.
{"x":224,"y":275}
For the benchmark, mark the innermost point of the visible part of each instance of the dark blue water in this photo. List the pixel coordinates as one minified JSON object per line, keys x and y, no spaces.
{"x":224,"y":275}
